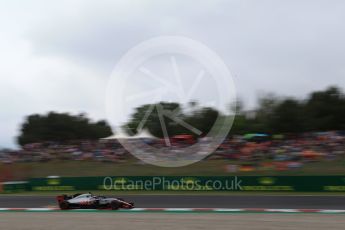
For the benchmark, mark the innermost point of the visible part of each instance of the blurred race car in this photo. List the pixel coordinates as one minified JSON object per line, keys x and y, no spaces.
{"x":89,"y":201}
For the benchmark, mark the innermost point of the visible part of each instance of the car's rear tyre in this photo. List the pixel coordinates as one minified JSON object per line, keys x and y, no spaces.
{"x":115,"y":205}
{"x":96,"y":205}
{"x":64,"y":205}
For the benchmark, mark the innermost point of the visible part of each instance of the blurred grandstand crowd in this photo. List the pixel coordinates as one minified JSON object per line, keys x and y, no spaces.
{"x":264,"y":151}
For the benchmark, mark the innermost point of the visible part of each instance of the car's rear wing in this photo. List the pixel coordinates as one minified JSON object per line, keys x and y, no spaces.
{"x":61,"y":198}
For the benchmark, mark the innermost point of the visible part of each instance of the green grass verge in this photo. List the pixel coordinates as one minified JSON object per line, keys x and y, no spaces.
{"x":20,"y":171}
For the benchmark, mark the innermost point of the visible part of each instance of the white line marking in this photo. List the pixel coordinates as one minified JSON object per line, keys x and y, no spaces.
{"x":178,"y":209}
{"x":41,"y":209}
{"x":324,"y":211}
{"x":228,"y":210}
{"x":282,"y":210}
{"x":138,"y":209}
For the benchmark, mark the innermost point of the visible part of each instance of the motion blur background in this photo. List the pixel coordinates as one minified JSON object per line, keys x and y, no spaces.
{"x":282,"y":165}
{"x":287,"y":59}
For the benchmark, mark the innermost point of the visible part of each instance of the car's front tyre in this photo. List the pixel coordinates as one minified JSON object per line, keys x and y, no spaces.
{"x":115,"y":205}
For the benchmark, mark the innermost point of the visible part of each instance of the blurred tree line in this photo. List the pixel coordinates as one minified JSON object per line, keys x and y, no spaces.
{"x":320,"y":111}
{"x":194,"y":120}
{"x":61,"y":127}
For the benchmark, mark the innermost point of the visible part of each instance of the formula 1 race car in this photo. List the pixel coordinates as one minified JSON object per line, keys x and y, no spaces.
{"x":89,"y":201}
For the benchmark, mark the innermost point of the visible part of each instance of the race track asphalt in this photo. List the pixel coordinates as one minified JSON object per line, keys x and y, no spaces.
{"x":149,"y":221}
{"x":197,"y":201}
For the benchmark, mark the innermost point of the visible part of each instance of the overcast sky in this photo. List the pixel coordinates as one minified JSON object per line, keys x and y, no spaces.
{"x":58,"y":55}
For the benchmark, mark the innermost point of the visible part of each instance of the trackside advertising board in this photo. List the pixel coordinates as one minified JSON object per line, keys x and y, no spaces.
{"x":193,"y":183}
{"x":14,"y":186}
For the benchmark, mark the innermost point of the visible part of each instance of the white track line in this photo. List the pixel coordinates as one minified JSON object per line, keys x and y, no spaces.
{"x":215,"y":210}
